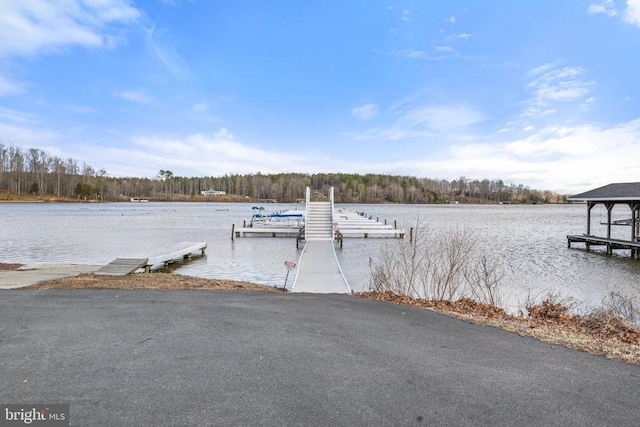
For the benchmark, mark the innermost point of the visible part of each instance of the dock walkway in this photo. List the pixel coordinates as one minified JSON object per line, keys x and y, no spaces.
{"x":611,"y":244}
{"x":318,"y":268}
{"x":319,"y":271}
{"x":166,"y":256}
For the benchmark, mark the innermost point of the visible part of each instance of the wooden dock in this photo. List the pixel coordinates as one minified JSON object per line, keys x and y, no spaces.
{"x":626,"y":193}
{"x":162,"y":256}
{"x":611,"y":244}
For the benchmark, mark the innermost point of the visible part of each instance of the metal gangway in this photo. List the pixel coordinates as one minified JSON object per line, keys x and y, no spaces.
{"x":318,"y":267}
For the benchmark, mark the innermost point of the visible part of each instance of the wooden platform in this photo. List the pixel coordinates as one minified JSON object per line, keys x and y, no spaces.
{"x":122,"y":266}
{"x":611,"y":244}
{"x":162,"y":256}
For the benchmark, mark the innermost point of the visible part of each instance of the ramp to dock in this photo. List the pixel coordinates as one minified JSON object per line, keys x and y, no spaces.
{"x":122,"y":266}
{"x":319,"y":271}
{"x":166,"y":255}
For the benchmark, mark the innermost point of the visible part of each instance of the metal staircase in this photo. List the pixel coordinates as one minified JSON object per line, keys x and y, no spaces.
{"x":319,"y":218}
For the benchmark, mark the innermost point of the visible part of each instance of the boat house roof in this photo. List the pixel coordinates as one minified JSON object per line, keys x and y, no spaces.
{"x":621,"y":192}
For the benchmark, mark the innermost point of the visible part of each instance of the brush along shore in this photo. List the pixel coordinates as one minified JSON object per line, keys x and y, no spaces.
{"x":599,"y":333}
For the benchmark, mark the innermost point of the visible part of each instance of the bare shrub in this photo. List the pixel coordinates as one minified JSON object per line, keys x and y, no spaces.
{"x":622,"y":305}
{"x":437,"y":266}
{"x":483,"y":281}
{"x":552,"y":308}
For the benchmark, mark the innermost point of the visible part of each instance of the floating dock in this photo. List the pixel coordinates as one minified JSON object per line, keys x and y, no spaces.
{"x":353,"y":223}
{"x":344,"y":222}
{"x":162,"y":256}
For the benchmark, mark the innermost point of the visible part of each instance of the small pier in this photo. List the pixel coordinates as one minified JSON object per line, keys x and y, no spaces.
{"x":611,"y":244}
{"x":611,"y":195}
{"x":318,"y":268}
{"x":163,"y":256}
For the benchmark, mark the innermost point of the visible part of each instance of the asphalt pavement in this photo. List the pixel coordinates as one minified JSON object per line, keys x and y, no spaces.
{"x":220,"y":358}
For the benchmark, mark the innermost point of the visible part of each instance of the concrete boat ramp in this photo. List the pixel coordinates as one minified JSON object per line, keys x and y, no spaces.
{"x":162,"y":256}
{"x":35,"y":273}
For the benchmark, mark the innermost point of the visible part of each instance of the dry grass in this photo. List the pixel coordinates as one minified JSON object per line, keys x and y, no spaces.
{"x":153,"y":281}
{"x":600,"y":332}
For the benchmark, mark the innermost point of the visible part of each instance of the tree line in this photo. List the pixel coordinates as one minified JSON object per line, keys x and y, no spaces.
{"x":34,"y":172}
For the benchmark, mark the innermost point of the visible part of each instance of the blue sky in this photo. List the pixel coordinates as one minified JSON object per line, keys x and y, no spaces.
{"x":543,"y":93}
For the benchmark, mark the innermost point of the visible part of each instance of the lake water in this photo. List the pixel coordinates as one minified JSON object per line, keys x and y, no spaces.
{"x":529,"y":240}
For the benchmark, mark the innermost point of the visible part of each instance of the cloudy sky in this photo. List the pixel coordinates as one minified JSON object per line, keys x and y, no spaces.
{"x":543,"y":93}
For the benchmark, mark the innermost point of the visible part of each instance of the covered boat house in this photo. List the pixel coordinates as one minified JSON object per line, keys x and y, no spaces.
{"x":610,"y":195}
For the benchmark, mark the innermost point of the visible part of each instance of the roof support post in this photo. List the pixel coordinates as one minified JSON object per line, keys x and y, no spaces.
{"x":590,"y":206}
{"x":635,"y":221}
{"x":609,"y":207}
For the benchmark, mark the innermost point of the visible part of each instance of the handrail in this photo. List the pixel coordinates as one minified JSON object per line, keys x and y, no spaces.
{"x":332,"y":211}
{"x":306,"y":210}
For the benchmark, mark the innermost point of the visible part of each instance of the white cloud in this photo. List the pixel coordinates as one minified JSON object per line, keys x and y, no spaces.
{"x":10,"y":87}
{"x":444,"y":48}
{"x":451,"y":19}
{"x":558,"y":84}
{"x":607,"y":7}
{"x":136,"y":96}
{"x":29,"y":27}
{"x":365,"y":112}
{"x":200,"y":155}
{"x":27,"y":136}
{"x":414,"y":120}
{"x":165,"y":50}
{"x":15,"y":116}
{"x":557,"y":158}
{"x":441,"y":117}
{"x":632,"y":12}
{"x":200,"y":107}
{"x":409,"y":53}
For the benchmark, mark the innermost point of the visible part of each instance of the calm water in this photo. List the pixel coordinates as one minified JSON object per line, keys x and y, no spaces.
{"x":530,"y":241}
